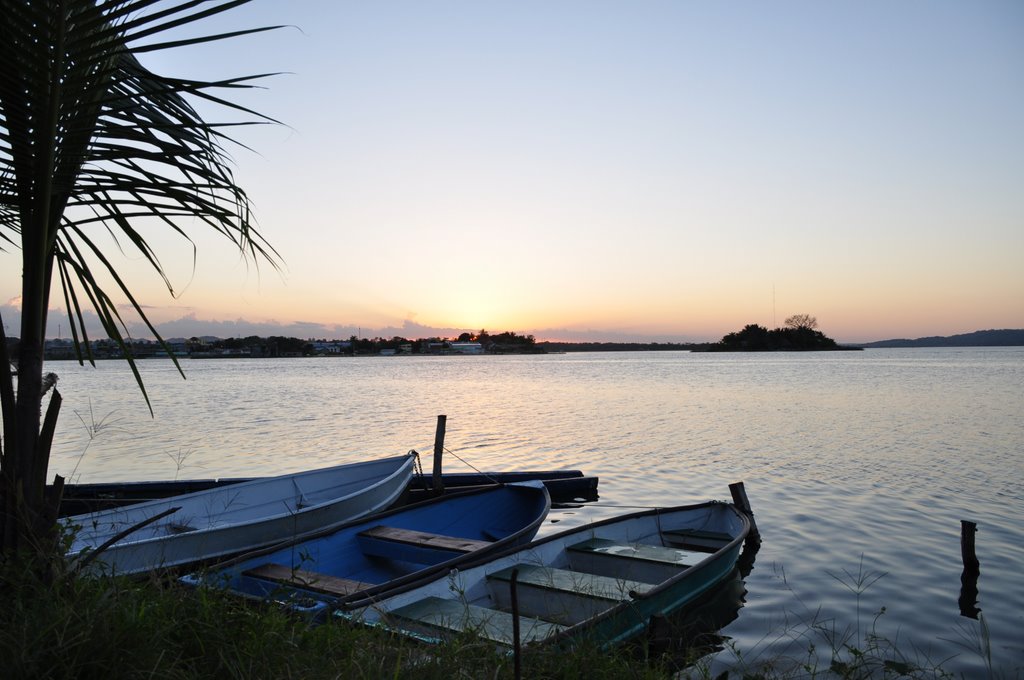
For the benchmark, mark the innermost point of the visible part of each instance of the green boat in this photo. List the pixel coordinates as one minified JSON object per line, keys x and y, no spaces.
{"x":603,"y":581}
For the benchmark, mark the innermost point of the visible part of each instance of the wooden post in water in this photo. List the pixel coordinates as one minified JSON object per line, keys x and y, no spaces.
{"x":968,"y":600}
{"x":967,"y":531}
{"x":438,"y":452}
{"x":739,"y":499}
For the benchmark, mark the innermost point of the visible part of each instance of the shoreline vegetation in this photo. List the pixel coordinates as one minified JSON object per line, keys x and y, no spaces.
{"x":752,"y":338}
{"x":129,"y":628}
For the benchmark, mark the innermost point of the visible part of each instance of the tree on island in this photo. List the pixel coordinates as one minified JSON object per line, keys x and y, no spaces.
{"x":801,"y":321}
{"x":799,"y":334}
{"x":93,"y":147}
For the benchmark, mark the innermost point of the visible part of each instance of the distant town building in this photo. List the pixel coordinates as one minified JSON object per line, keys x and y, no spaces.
{"x":466,"y":348}
{"x":324,"y":347}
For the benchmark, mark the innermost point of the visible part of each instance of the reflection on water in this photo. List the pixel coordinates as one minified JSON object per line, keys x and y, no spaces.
{"x":876,"y":455}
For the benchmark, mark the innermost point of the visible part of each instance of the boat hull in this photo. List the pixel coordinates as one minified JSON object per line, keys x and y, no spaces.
{"x":219,"y":522}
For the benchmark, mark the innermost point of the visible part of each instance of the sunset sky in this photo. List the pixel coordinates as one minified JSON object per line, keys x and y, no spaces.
{"x":614,"y":170}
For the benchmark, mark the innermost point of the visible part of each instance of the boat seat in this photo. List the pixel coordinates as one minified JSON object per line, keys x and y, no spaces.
{"x":637,"y":561}
{"x":307,"y":580}
{"x":561,"y":595}
{"x":415,"y":546}
{"x":696,"y":539}
{"x":435,"y":615}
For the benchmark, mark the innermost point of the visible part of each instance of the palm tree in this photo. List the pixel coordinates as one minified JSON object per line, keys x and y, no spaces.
{"x":93,"y":144}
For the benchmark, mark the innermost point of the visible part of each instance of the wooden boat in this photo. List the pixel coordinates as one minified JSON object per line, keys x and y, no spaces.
{"x":372,"y":556}
{"x":78,"y":499}
{"x":223,"y":521}
{"x":603,"y":581}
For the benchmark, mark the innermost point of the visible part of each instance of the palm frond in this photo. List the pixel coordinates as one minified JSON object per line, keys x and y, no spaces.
{"x":92,"y":139}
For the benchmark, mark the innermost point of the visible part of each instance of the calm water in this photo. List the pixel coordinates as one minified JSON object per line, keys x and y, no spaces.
{"x":857,"y":464}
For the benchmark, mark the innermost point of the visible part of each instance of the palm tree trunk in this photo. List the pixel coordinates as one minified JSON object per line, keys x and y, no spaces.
{"x":26,"y":482}
{"x":31,"y":460}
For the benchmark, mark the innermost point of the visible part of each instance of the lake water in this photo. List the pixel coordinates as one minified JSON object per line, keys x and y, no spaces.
{"x":857,"y":464}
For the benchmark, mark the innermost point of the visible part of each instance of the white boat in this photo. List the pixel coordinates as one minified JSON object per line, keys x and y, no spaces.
{"x":240,"y":517}
{"x":604,"y":581}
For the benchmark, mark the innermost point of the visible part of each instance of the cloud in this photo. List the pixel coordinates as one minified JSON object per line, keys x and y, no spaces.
{"x":57,"y":324}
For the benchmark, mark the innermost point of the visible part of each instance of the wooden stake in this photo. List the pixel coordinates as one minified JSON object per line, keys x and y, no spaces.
{"x":739,"y":499}
{"x":438,"y":452}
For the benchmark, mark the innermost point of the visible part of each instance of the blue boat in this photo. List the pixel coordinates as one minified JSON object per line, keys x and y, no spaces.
{"x":370,"y":557}
{"x":604,"y":581}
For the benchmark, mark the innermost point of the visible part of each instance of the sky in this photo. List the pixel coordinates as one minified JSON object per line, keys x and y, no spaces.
{"x":598,"y":170}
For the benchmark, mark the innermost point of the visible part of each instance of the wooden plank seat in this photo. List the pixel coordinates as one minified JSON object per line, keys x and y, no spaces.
{"x":307,"y":580}
{"x":385,"y":541}
{"x":435,"y":615}
{"x":561,"y":595}
{"x":696,"y":539}
{"x":636,"y":561}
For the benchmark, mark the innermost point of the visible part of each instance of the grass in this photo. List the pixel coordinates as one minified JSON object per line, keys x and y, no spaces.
{"x":109,"y":629}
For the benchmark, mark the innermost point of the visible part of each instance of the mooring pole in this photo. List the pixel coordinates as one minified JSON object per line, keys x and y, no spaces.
{"x":739,"y":499}
{"x":517,"y":663}
{"x":438,"y":452}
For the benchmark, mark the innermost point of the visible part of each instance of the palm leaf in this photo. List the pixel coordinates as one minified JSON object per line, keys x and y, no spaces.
{"x":91,"y":139}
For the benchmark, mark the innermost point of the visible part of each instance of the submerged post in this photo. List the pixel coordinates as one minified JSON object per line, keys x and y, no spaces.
{"x":739,"y":499}
{"x":438,"y":452}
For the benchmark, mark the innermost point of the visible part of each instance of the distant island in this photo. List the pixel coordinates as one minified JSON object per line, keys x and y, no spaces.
{"x":800,"y":334}
{"x":1007,"y":337}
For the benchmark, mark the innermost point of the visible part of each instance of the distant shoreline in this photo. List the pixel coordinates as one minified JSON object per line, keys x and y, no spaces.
{"x":618,"y":348}
{"x":63,"y":350}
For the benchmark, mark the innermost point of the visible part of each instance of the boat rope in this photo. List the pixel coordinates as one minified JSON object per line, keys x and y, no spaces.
{"x":482,"y":474}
